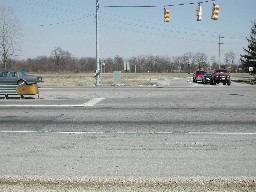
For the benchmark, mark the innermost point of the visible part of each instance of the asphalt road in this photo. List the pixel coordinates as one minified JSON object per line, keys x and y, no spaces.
{"x":176,"y":129}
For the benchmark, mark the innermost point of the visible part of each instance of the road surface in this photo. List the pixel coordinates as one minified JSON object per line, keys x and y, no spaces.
{"x":181,"y":129}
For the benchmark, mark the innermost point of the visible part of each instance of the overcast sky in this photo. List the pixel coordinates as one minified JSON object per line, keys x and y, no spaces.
{"x":127,"y":32}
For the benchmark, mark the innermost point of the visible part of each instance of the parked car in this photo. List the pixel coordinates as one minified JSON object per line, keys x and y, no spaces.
{"x":207,"y":78}
{"x":220,"y":75}
{"x":198,"y":76}
{"x":19,"y":78}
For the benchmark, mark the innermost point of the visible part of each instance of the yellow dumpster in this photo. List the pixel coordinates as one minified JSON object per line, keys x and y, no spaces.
{"x":28,"y":89}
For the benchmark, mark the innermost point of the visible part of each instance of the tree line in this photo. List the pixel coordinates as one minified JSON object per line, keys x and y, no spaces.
{"x":62,"y":61}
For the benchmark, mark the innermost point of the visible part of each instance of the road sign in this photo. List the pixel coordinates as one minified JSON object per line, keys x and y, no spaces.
{"x":126,"y":66}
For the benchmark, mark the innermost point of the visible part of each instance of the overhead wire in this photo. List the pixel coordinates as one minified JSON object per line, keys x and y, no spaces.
{"x":191,"y":3}
{"x":202,"y":32}
{"x":125,"y":6}
{"x":41,"y":4}
{"x":58,"y":6}
{"x":139,"y":28}
{"x":152,"y":6}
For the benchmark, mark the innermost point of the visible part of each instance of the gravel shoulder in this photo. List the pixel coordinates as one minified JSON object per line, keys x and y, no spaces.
{"x":40,"y":184}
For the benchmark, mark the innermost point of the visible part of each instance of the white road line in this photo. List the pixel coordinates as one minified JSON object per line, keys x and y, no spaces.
{"x":45,"y":88}
{"x":78,"y":133}
{"x":93,"y":102}
{"x":42,"y":105}
{"x":222,"y":133}
{"x":123,"y":132}
{"x":90,"y":103}
{"x":18,"y":131}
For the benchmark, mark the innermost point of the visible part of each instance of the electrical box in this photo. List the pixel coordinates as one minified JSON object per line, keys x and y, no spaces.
{"x":117,"y":77}
{"x":28,"y":89}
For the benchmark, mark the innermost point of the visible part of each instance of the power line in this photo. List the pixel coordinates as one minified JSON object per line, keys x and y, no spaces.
{"x":74,"y":9}
{"x":133,"y":22}
{"x":67,"y":21}
{"x":152,"y":6}
{"x":146,"y":6}
{"x":192,"y":3}
{"x":60,"y":7}
{"x":143,"y":28}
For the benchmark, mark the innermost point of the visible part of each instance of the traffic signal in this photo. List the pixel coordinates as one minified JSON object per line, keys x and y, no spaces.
{"x":215,"y":12}
{"x":199,"y":12}
{"x":166,"y":15}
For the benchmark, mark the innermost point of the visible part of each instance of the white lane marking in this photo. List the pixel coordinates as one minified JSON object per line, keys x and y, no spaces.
{"x":18,"y":131}
{"x":54,"y":132}
{"x":45,"y":88}
{"x":222,"y":133}
{"x":123,"y":132}
{"x":42,"y":105}
{"x":90,"y":103}
{"x":93,"y":102}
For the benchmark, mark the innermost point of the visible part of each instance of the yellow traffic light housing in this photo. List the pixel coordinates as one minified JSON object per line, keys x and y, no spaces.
{"x":166,"y":15}
{"x":215,"y":12}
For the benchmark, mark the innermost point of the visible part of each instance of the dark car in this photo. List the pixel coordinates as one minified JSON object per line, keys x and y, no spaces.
{"x":19,"y":78}
{"x":207,"y":78}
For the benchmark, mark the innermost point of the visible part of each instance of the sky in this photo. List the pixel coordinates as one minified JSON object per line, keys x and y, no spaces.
{"x":128,"y":31}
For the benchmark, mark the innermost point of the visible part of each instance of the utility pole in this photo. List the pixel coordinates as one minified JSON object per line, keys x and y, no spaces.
{"x":97,"y":74}
{"x":220,"y":37}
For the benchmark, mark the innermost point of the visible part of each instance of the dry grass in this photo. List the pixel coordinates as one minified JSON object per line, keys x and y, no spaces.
{"x":107,"y":79}
{"x":40,"y":184}
{"x":88,"y":79}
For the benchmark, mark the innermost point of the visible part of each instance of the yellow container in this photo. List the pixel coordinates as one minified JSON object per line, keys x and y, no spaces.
{"x":28,"y":89}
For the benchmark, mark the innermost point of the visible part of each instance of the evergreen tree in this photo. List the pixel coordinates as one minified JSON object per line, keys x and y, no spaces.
{"x":249,"y":58}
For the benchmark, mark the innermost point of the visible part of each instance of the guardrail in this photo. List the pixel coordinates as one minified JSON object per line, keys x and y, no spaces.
{"x":8,"y":90}
{"x":246,"y":79}
{"x":21,"y":90}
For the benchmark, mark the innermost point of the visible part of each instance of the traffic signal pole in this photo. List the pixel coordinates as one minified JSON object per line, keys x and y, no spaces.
{"x":97,"y":74}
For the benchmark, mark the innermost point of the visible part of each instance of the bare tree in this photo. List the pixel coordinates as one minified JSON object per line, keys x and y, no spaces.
{"x":63,"y":59}
{"x":229,"y":58}
{"x":187,"y":60}
{"x":214,"y":62}
{"x":10,"y":35}
{"x":201,"y":60}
